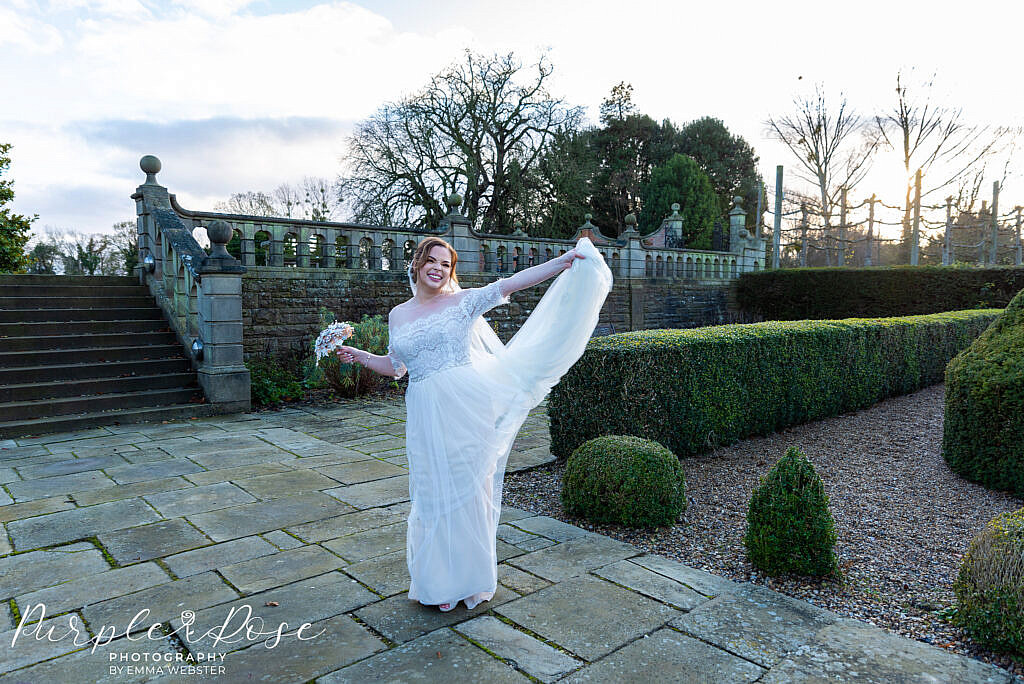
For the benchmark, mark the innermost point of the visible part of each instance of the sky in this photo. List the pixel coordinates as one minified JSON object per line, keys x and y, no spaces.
{"x":237,"y":95}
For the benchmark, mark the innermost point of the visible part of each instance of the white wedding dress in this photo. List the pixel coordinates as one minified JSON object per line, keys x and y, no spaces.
{"x":467,"y":397}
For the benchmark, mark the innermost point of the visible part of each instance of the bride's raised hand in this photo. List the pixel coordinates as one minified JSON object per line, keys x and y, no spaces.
{"x":348,"y":354}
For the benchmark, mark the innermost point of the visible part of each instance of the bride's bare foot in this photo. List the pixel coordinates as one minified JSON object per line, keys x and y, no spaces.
{"x":445,"y":607}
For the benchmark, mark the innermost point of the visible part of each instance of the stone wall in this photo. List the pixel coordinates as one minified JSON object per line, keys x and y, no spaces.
{"x":280,"y":305}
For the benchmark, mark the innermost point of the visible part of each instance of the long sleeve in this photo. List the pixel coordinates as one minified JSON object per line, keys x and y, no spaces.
{"x":479,"y":300}
{"x":396,"y":364}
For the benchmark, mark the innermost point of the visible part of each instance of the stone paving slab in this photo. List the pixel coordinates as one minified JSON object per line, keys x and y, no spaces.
{"x":282,"y":539}
{"x":362,"y":471}
{"x":284,"y":484}
{"x":327,"y":645}
{"x":573,"y":557}
{"x":70,"y":465}
{"x":848,"y":650}
{"x":263,"y":516}
{"x":668,"y":656}
{"x":54,"y":528}
{"x":93,"y":588}
{"x":519,"y":581}
{"x":588,"y":616}
{"x":217,"y":458}
{"x":8,"y":475}
{"x":702,"y":582}
{"x":632,"y":576}
{"x":155,"y":540}
{"x":549,"y":527}
{"x":22,"y":648}
{"x":130,"y":491}
{"x":349,"y":523}
{"x":138,"y":472}
{"x":5,"y":545}
{"x":25,"y":572}
{"x":370,"y":543}
{"x":459,"y":661}
{"x":387,"y":574}
{"x":5,"y":498}
{"x":276,"y":569}
{"x":529,"y":655}
{"x":94,"y":667}
{"x":375,"y":493}
{"x":25,"y":490}
{"x":238,"y":472}
{"x":217,"y":555}
{"x":401,"y":620}
{"x":199,"y":499}
{"x":756,"y":623}
{"x":163,"y":602}
{"x":309,"y":600}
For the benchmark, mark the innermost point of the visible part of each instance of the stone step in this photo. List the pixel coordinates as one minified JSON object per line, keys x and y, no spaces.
{"x":90,"y":302}
{"x":148,"y":313}
{"x":35,"y":391}
{"x":87,"y":371}
{"x":56,"y":291}
{"x":35,"y":279}
{"x":86,"y":341}
{"x":69,"y":423}
{"x":40,"y":329}
{"x":95,"y":355}
{"x":45,"y":408}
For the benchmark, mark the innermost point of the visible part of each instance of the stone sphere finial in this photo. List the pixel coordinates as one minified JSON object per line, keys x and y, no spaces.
{"x":675,"y":207}
{"x":219,"y":233}
{"x":151,"y":166}
{"x":454,"y":201}
{"x":737,"y":200}
{"x":587,"y":217}
{"x":630,"y":220}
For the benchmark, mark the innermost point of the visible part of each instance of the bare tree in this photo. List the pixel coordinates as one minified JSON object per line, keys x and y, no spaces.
{"x":936,"y":138}
{"x":248,"y":203}
{"x":320,"y":199}
{"x":832,"y":143}
{"x":287,"y":199}
{"x":478,"y":128}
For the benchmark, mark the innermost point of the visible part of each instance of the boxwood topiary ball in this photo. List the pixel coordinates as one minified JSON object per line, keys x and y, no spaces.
{"x":990,"y":587}
{"x":626,"y":480}
{"x":982,"y":433}
{"x":789,"y":525}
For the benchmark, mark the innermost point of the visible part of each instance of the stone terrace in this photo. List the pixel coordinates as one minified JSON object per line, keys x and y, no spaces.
{"x":300,"y":515}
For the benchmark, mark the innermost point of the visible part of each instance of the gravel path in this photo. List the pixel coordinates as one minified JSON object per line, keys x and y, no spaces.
{"x":903,"y":519}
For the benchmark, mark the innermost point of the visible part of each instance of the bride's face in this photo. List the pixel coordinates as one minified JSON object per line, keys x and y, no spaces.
{"x":435,"y":271}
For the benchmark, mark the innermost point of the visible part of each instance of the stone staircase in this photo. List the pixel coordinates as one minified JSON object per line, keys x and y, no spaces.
{"x":81,"y":351}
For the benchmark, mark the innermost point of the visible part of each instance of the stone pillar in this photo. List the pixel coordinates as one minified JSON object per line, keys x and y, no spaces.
{"x":460,"y":236}
{"x":222,"y":373}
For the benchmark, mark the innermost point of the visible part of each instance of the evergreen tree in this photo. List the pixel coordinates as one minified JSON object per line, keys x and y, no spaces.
{"x":681,"y":180}
{"x":14,"y":228}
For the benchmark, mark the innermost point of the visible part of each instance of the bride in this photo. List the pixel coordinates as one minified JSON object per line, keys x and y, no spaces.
{"x":467,"y":397}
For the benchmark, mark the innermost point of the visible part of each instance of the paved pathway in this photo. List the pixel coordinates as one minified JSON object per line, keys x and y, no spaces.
{"x":298,"y":517}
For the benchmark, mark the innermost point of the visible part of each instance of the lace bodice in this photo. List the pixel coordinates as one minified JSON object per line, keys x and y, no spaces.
{"x":440,"y":340}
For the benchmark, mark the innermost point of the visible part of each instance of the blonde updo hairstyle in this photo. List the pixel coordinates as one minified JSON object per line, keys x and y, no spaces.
{"x":419,"y":257}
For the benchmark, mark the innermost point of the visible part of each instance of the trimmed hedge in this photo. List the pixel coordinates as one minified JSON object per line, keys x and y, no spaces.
{"x":625,"y":480}
{"x":693,"y":389}
{"x":983,"y":433}
{"x":990,"y":586}
{"x":792,"y":294}
{"x":789,"y":524}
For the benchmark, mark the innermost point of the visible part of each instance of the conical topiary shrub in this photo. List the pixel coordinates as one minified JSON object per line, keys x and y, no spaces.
{"x":626,"y":480}
{"x":789,"y":526}
{"x":990,"y":587}
{"x":983,"y":434}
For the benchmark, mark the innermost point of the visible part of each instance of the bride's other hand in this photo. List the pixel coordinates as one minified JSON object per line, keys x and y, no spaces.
{"x":347,"y":354}
{"x":571,"y":256}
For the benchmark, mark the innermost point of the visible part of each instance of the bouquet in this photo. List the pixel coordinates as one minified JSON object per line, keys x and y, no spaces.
{"x":331,"y":338}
